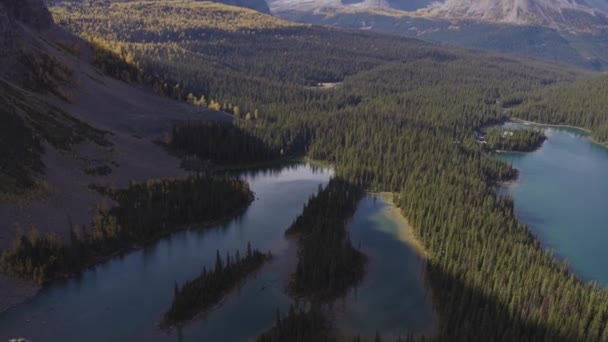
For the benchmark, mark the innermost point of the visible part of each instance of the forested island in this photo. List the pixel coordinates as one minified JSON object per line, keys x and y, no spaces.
{"x":199,"y":295}
{"x":144,"y":212}
{"x":328,"y":265}
{"x":514,"y":140}
{"x":401,"y":121}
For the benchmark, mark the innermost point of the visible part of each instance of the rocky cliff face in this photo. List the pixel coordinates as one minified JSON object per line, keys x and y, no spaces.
{"x":33,"y":13}
{"x":6,"y":33}
{"x":583,"y":16}
{"x":579,"y":15}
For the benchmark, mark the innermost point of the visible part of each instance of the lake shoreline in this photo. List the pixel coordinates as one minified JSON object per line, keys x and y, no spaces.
{"x":588,"y":131}
{"x":387,"y":238}
{"x":15,"y":300}
{"x":406,"y":232}
{"x":549,"y":223}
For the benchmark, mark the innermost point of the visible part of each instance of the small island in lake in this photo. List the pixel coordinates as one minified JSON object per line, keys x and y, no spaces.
{"x":201,"y":294}
{"x":514,"y":140}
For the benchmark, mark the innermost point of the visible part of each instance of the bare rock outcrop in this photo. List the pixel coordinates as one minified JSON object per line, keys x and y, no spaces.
{"x":6,"y":32}
{"x":32,"y":13}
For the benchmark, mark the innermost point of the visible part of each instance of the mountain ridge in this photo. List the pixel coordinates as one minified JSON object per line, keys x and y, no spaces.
{"x":575,"y":16}
{"x":32,"y":13}
{"x":557,"y":14}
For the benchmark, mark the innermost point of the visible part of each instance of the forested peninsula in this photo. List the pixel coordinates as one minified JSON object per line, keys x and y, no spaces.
{"x":144,"y":212}
{"x":402,"y":120}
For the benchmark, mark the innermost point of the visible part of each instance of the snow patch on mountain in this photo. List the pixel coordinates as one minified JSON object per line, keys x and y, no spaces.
{"x":278,"y":6}
{"x":572,"y":15}
{"x":552,"y":13}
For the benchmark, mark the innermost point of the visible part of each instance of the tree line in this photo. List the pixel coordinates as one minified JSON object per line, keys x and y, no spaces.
{"x":328,"y":265}
{"x":220,"y":144}
{"x":299,"y":324}
{"x":403,"y":120}
{"x":581,"y":104}
{"x":516,"y":140}
{"x":143,"y":213}
{"x":200,"y":294}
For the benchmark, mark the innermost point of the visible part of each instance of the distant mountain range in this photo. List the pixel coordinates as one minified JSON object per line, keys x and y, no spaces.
{"x":587,"y":16}
{"x":569,"y":31}
{"x":569,"y":15}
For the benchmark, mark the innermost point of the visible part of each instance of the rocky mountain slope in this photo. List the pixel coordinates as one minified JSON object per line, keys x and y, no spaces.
{"x":582,"y":15}
{"x":564,"y":31}
{"x":62,"y":120}
{"x":32,"y":13}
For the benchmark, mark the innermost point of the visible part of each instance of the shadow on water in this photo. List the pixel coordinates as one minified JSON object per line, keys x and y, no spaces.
{"x":393,"y":297}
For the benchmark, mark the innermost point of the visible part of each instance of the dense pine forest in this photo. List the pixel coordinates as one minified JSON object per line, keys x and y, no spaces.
{"x":328,"y":265}
{"x":516,"y":140}
{"x":402,"y":119}
{"x":144,"y":212}
{"x":299,"y":325}
{"x":202,"y":293}
{"x":582,"y":104}
{"x":201,"y":140}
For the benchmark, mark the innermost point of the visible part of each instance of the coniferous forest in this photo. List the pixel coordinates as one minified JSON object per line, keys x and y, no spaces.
{"x":203,"y":141}
{"x":328,"y":265}
{"x":581,"y":104}
{"x":201,"y":294}
{"x":299,"y":325}
{"x":516,"y":140}
{"x":401,"y":119}
{"x":143,"y":213}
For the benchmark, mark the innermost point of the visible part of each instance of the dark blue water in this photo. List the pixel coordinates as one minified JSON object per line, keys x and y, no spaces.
{"x":125,"y":298}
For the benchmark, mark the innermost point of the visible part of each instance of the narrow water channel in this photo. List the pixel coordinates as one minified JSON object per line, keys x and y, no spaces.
{"x":124,"y":298}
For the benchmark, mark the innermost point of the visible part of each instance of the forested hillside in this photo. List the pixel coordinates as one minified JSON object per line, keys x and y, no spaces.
{"x":582,"y":104}
{"x":401,"y":120}
{"x":144,"y":212}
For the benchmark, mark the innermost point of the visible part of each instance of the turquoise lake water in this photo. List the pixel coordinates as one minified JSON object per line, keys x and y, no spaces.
{"x":561,"y":195}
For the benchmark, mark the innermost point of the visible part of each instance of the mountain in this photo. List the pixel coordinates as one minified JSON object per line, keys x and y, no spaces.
{"x":400,"y":116}
{"x":258,"y":5}
{"x":66,"y":125}
{"x":573,"y":32}
{"x":579,"y":16}
{"x":583,"y":15}
{"x":32,"y":13}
